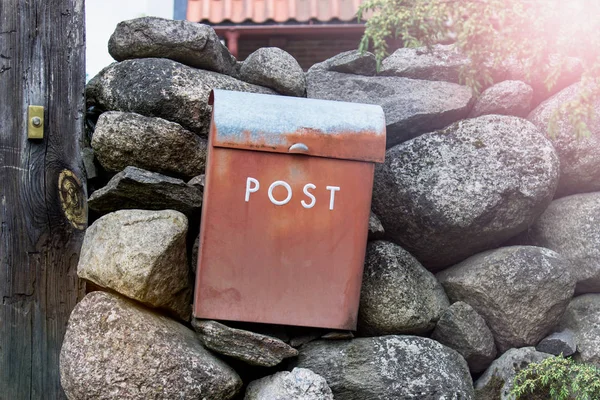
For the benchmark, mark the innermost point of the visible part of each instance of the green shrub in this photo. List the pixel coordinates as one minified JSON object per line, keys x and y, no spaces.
{"x":540,"y":34}
{"x":557,"y":378}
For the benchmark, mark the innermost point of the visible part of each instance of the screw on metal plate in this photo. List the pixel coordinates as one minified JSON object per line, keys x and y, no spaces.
{"x":35,"y":122}
{"x":298,"y":148}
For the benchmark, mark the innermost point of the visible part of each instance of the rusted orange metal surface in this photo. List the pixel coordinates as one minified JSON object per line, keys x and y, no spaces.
{"x":286,"y":210}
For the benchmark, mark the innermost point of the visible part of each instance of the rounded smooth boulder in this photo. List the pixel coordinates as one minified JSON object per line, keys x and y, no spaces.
{"x":116,"y":349}
{"x":389,"y":368}
{"x":398,"y":295}
{"x":449,"y":194}
{"x":520,"y":291}
{"x":187,"y":42}
{"x":571,"y":227}
{"x":299,"y":384}
{"x":461,"y":328}
{"x":158,"y":87}
{"x":276,"y":69}
{"x":579,"y":156}
{"x":504,"y":98}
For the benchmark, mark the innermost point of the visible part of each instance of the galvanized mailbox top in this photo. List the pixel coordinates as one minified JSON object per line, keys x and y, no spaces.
{"x":282,"y":124}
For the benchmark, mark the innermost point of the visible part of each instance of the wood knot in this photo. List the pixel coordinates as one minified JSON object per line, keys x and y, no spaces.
{"x":72,"y":199}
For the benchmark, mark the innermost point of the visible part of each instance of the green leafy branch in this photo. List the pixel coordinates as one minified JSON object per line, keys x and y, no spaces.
{"x":557,"y":378}
{"x":542,"y":36}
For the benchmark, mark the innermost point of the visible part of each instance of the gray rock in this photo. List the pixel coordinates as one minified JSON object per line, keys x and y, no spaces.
{"x":252,"y":348}
{"x":558,"y":343}
{"x":389,"y":368}
{"x":462,"y":329}
{"x":411,"y":106}
{"x":504,"y":98}
{"x":583,"y":318}
{"x":571,"y":226}
{"x":187,"y":42}
{"x":496,"y":382}
{"x":135,"y":188}
{"x":438,"y":63}
{"x":398,"y":295}
{"x":158,"y":87}
{"x":87,"y":157}
{"x":300,"y":384}
{"x":350,"y":62}
{"x":520,"y":291}
{"x":276,"y":69}
{"x":128,"y":139}
{"x":447,"y":195}
{"x":579,"y":156}
{"x":376,"y":230}
{"x":198,"y":181}
{"x":140,"y":254}
{"x":115,"y":349}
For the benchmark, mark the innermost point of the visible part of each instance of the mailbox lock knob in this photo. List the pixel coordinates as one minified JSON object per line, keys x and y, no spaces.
{"x":298,"y":148}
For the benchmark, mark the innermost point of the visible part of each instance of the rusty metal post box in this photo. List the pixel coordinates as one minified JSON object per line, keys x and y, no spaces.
{"x":286,"y":209}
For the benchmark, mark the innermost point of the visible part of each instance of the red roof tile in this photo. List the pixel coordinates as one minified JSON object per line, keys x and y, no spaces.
{"x":259,"y":11}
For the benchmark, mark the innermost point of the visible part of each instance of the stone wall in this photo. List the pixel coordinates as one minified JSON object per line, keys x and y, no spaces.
{"x":484,"y":250}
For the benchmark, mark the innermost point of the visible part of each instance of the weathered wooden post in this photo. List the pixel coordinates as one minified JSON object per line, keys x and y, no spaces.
{"x":42,"y":197}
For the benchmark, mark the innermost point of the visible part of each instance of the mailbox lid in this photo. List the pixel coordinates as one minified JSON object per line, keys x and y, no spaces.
{"x":320,"y":128}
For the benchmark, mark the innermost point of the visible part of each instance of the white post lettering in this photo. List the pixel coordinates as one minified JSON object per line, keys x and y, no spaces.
{"x":307,"y":193}
{"x":333,"y":189}
{"x":285,"y":185}
{"x":250,"y":189}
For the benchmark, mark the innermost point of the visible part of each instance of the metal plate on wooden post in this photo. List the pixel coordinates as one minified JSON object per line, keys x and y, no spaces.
{"x":35,"y":122}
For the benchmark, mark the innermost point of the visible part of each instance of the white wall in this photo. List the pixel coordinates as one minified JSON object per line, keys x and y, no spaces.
{"x":101,"y":19}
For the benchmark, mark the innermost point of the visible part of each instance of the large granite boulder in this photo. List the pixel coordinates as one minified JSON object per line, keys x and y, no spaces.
{"x":135,"y":188}
{"x":398,"y":295}
{"x":520,"y":291}
{"x":411,"y":106}
{"x":276,"y":69}
{"x":349,"y":62}
{"x":128,"y":139}
{"x":571,"y":226}
{"x":116,"y":349}
{"x":389,"y":368}
{"x":158,"y":87}
{"x":461,"y":328}
{"x":250,"y":347}
{"x":579,"y":156}
{"x":299,"y":384}
{"x":496,"y":383}
{"x":583,"y":318}
{"x":438,"y":63}
{"x":504,"y":98}
{"x":142,"y":255}
{"x":447,"y":195}
{"x":187,"y":42}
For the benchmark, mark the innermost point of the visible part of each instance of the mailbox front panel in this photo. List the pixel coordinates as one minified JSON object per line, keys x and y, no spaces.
{"x":283,"y":238}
